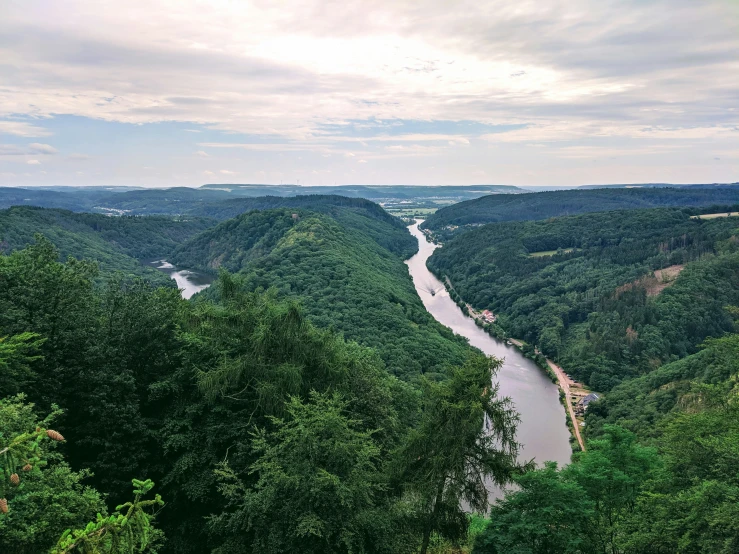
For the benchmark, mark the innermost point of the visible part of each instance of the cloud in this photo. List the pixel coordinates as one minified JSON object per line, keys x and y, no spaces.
{"x":227,"y":172}
{"x":21,"y":128}
{"x":308,"y":77}
{"x":33,"y":162}
{"x":202,"y":154}
{"x":206,"y":172}
{"x":40,"y":148}
{"x":34,"y":148}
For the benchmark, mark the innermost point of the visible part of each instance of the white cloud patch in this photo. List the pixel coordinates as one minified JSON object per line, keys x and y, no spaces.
{"x":20,"y":128}
{"x":227,"y":172}
{"x":202,"y":154}
{"x":40,"y":148}
{"x":33,"y":162}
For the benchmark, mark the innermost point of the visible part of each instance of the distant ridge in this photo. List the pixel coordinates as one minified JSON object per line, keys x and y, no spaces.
{"x":454,"y":219}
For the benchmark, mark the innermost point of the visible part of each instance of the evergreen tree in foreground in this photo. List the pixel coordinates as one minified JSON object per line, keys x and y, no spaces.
{"x":464,"y":443}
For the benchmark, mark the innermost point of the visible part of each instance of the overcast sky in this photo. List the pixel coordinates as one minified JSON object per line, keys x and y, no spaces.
{"x":546,"y":92}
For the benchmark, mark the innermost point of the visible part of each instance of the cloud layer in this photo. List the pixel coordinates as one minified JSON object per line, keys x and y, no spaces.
{"x":519,"y":92}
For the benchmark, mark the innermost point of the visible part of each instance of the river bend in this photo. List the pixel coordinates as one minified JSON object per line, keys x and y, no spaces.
{"x":542,"y":430}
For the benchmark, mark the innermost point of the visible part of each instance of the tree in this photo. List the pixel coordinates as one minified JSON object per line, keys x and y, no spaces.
{"x":546,"y":515}
{"x":464,"y":441}
{"x":16,"y":353}
{"x":130,"y":530}
{"x":319,"y":486}
{"x":40,"y":494}
{"x":612,"y":473}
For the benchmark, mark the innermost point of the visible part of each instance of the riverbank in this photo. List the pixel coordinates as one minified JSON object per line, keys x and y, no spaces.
{"x":569,"y":389}
{"x":542,"y":428}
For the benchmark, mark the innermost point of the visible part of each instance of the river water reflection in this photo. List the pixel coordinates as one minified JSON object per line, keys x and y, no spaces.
{"x":542,"y":430}
{"x":189,"y":282}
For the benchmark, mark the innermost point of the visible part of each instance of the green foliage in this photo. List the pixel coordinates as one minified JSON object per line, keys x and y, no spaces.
{"x":319,"y":487}
{"x":595,"y":309}
{"x":643,"y":404}
{"x":543,"y":205}
{"x":547,"y":515}
{"x":130,"y":530}
{"x":115,"y":243}
{"x":464,"y":441}
{"x":16,"y":353}
{"x":344,"y":279}
{"x":243,"y":360}
{"x":580,"y":508}
{"x":49,"y":496}
{"x":102,"y":349}
{"x":629,"y":499}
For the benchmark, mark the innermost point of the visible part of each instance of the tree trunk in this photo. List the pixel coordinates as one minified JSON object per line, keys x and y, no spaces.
{"x":432,"y":519}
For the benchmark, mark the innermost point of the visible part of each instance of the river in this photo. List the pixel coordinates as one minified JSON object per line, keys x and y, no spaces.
{"x":189,"y":282}
{"x":543,"y":429}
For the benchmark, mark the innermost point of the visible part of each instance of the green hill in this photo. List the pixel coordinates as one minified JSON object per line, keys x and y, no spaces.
{"x":117,"y":243}
{"x":457,"y":218}
{"x":593,"y":301}
{"x":347,"y":269}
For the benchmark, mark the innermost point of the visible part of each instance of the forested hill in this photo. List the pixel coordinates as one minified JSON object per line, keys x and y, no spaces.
{"x":583,"y":288}
{"x":661,"y":473}
{"x":348,"y":272}
{"x":353,"y":213}
{"x":118,"y":244}
{"x":456,"y":218}
{"x":261,"y":432}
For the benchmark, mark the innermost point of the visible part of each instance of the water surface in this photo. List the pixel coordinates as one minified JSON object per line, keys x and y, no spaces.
{"x":543,"y":429}
{"x":189,"y":282}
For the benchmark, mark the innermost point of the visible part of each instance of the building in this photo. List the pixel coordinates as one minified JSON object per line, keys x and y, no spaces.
{"x":488,"y":316}
{"x":585,"y":402}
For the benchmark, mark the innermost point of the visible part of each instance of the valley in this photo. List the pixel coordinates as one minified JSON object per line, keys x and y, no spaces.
{"x":542,"y":430}
{"x":325,"y":324}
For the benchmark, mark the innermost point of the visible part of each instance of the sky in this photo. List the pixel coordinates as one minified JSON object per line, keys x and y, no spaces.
{"x":426,"y":92}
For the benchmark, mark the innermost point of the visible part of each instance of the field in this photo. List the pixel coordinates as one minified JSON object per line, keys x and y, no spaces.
{"x":713,"y":216}
{"x":544,"y":253}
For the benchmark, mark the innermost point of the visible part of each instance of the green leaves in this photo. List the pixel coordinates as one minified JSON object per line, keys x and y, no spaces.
{"x":317,"y":474}
{"x":465,"y":439}
{"x":581,"y":508}
{"x":49,"y":496}
{"x":130,"y":530}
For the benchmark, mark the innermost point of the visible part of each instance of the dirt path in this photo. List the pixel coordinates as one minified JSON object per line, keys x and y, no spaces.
{"x":564,"y":383}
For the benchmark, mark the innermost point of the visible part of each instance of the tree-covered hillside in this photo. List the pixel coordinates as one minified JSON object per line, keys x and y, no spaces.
{"x":661,"y":474}
{"x":116,"y":243}
{"x":346,"y":268}
{"x":353,"y":213}
{"x":457,"y":218}
{"x":261,"y":432}
{"x":583,"y":288}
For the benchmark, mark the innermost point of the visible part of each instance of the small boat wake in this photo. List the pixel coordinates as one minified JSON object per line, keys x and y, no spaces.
{"x":431,"y":290}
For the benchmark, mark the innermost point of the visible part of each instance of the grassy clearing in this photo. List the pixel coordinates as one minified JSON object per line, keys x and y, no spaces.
{"x":549,"y":252}
{"x":714,"y":216}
